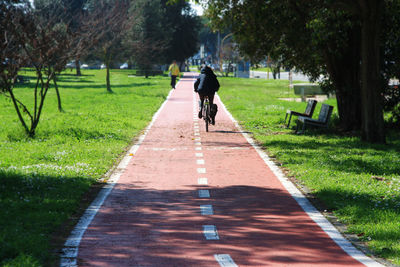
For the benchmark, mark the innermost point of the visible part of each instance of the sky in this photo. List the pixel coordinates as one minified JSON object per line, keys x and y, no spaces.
{"x":197,"y":8}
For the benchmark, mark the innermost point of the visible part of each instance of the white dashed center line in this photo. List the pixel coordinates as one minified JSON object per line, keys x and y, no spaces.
{"x":225,"y":260}
{"x":200,"y":162}
{"x":201,"y":170}
{"x":202,"y":181}
{"x":210,"y":232}
{"x":204,"y":193}
{"x":206,"y":210}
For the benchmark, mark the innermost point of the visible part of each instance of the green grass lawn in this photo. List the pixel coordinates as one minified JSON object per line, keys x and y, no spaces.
{"x":357,"y":181}
{"x":44,"y":179}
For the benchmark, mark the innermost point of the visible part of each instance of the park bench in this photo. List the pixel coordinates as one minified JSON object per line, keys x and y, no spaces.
{"x":307,"y":113}
{"x":307,"y":89}
{"x":322,"y":121}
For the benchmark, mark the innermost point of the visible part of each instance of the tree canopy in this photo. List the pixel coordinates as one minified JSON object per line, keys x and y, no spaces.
{"x":164,"y":32}
{"x":30,"y":40}
{"x":341,"y":40}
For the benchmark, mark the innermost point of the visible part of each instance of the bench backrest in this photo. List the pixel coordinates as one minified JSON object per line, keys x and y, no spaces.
{"x":325,"y":113}
{"x":310,"y":108}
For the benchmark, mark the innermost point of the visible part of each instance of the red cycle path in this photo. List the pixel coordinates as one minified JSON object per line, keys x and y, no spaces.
{"x":152,"y":216}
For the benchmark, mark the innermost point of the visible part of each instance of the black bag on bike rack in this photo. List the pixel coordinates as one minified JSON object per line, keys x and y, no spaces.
{"x":213,"y":110}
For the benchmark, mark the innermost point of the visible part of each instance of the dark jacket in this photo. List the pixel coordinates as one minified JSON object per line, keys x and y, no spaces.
{"x":207,"y":82}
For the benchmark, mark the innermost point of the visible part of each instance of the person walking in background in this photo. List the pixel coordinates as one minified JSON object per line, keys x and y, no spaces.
{"x":174,"y":72}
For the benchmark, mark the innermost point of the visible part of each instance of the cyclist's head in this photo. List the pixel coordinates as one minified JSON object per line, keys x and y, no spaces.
{"x":206,"y":69}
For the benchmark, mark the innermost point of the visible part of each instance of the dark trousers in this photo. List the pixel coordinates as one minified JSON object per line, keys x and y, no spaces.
{"x":211,"y":100}
{"x":173,"y":81}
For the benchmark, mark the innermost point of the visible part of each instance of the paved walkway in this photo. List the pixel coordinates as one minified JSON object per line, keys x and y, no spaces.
{"x":191,"y":198}
{"x":284,"y":75}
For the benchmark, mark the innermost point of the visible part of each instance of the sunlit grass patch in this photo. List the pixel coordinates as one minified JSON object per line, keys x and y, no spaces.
{"x":43,"y":179}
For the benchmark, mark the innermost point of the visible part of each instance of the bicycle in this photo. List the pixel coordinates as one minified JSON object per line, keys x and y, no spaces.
{"x":206,"y":111}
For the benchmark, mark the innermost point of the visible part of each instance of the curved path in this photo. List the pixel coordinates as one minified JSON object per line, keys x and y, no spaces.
{"x":191,"y":198}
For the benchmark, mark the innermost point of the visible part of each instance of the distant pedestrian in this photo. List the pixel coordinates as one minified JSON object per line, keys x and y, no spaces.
{"x":174,"y":72}
{"x":206,"y":85}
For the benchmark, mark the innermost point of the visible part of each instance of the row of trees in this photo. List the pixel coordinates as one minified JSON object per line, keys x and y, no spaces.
{"x":353,"y":43}
{"x":164,"y":32}
{"x":30,"y":39}
{"x":51,"y":33}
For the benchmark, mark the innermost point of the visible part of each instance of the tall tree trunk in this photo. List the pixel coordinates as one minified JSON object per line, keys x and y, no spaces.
{"x":58,"y":94}
{"x":344,"y":71}
{"x":107,"y":61}
{"x":372,"y":126}
{"x":349,"y":108}
{"x":78,"y":67}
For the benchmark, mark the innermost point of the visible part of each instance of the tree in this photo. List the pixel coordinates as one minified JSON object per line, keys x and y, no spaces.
{"x":304,"y":37}
{"x":26,"y":40}
{"x":164,"y":31}
{"x":372,"y":113}
{"x":106,"y":23}
{"x":184,"y":27}
{"x":46,"y":9}
{"x":208,"y":37}
{"x":229,"y":54}
{"x":339,"y":39}
{"x":391,"y":56}
{"x":215,"y":42}
{"x":71,"y":11}
{"x":147,"y":38}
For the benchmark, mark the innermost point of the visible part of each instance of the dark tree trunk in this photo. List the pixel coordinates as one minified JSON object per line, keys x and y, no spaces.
{"x":17,"y":108}
{"x":372,"y":127}
{"x":78,"y":67}
{"x":344,"y":71}
{"x":107,"y":61}
{"x":349,"y":108}
{"x":58,"y":94}
{"x":108,"y":78}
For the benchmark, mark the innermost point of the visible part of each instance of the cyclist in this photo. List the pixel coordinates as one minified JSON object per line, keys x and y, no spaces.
{"x":206,"y":85}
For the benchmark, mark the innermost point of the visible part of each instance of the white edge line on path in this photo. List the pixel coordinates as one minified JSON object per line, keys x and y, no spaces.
{"x":70,"y":250}
{"x":312,"y":212}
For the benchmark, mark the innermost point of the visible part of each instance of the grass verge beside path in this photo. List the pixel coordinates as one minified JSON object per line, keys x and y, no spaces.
{"x":358,"y":182}
{"x":42,"y":180}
